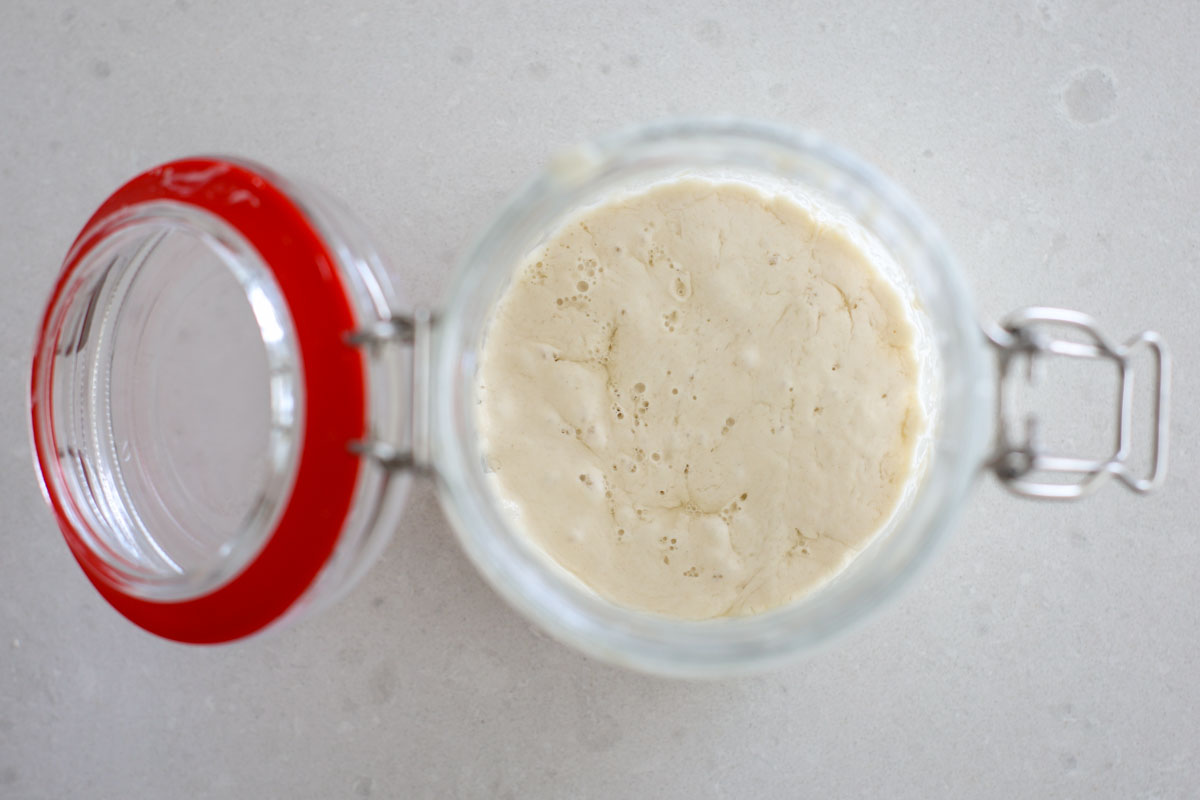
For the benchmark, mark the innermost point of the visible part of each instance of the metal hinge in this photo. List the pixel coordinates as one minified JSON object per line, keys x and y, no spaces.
{"x":412,"y":335}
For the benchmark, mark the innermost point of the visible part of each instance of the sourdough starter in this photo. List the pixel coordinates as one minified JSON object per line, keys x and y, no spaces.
{"x":699,"y":400}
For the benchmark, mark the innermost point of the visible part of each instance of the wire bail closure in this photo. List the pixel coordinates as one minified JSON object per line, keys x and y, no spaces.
{"x":1018,"y":457}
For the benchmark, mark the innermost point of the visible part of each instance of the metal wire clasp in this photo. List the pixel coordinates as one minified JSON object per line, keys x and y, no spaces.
{"x":1018,"y":458}
{"x":411,"y":335}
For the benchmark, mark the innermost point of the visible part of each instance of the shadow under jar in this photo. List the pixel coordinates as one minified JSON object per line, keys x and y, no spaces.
{"x":229,"y":401}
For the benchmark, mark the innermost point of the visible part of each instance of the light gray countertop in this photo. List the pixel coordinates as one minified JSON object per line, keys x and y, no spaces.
{"x":1048,"y":651}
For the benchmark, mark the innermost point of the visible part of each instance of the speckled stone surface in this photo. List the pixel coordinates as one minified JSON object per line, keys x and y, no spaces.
{"x":1049,"y":650}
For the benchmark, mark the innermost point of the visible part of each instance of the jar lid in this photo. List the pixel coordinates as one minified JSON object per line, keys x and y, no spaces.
{"x":199,"y":302}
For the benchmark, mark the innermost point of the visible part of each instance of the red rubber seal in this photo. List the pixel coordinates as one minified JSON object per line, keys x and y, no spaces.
{"x":334,"y":378}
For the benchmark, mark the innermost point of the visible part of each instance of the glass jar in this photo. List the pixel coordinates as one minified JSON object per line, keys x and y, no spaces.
{"x":229,"y":401}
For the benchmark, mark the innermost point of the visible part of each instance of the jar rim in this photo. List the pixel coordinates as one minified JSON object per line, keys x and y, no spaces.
{"x":654,"y":643}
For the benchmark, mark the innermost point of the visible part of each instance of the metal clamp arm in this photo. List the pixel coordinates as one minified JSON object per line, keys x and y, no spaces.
{"x":1017,"y":457}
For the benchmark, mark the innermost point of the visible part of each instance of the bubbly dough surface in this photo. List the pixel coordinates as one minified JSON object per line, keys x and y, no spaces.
{"x":699,"y":400}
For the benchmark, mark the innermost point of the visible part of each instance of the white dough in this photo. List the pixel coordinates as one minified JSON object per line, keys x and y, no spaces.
{"x":699,"y":400}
